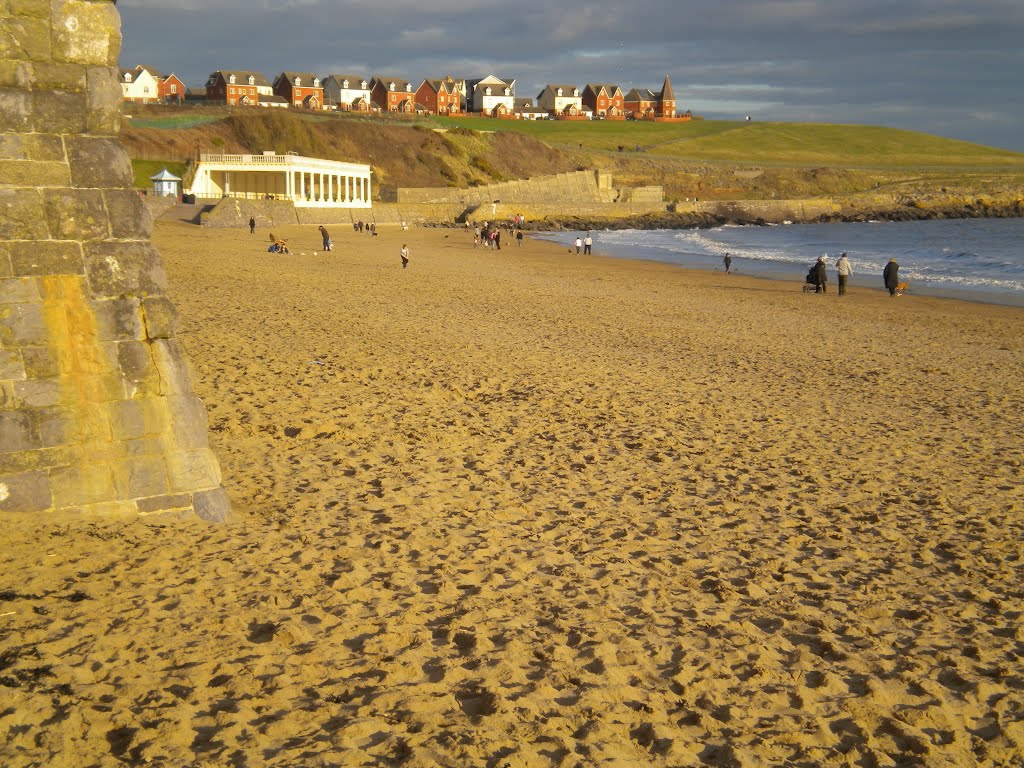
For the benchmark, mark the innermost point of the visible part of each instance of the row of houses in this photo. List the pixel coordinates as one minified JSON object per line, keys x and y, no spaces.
{"x":489,"y":96}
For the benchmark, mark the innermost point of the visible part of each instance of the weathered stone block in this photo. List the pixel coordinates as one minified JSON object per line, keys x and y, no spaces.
{"x":124,"y":269}
{"x":86,"y":32}
{"x":137,"y":368}
{"x":76,"y":214}
{"x":133,"y":419}
{"x":40,"y":362}
{"x":104,"y":101}
{"x":13,"y":146}
{"x":34,"y":461}
{"x":129,"y":217}
{"x":23,"y":173}
{"x":119,"y":320}
{"x":45,"y":149}
{"x":168,"y":503}
{"x":38,"y":393}
{"x":18,"y":432}
{"x":19,"y":290}
{"x":191,"y":470}
{"x":24,"y":38}
{"x":22,"y":325}
{"x":68,"y":78}
{"x":5,"y":262}
{"x":188,"y":422}
{"x":12,"y":366}
{"x":15,"y":110}
{"x":65,"y":426}
{"x":139,"y":477}
{"x":59,"y":111}
{"x":15,"y":74}
{"x":47,"y":258}
{"x":79,"y":485}
{"x":170,"y":361}
{"x":212,"y":506}
{"x":24,"y":213}
{"x":28,"y":492}
{"x":160,"y":317}
{"x":6,"y":395}
{"x":98,"y":163}
{"x":39,"y":9}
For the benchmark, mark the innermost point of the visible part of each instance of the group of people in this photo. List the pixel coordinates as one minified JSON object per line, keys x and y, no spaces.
{"x":369,"y":227}
{"x":818,"y":275}
{"x":584,"y":244}
{"x":489,"y":235}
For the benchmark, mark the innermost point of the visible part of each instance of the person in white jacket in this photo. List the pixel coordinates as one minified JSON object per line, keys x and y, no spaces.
{"x":845,"y":270}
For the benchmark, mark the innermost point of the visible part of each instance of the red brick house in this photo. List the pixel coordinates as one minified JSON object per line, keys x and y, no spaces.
{"x":235,"y":88}
{"x":393,"y":94}
{"x":301,"y":89}
{"x":644,"y":104}
{"x":440,"y":97}
{"x":172,"y":89}
{"x":639,"y":103}
{"x":605,"y":100}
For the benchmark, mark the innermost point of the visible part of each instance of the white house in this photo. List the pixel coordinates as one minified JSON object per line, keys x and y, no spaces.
{"x":138,"y":85}
{"x":561,"y":100}
{"x":347,"y":93}
{"x":165,"y":184}
{"x":492,"y":95}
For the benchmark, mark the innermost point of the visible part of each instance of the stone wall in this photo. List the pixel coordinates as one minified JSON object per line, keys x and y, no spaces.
{"x":232,"y":213}
{"x":97,"y":413}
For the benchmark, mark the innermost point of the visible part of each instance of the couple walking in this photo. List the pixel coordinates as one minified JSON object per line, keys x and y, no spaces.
{"x":820,"y":273}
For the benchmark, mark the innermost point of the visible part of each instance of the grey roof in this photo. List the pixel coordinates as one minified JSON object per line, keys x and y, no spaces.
{"x":241,"y":76}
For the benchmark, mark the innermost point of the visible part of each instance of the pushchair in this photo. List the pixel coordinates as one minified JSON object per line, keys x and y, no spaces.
{"x":811,"y":281}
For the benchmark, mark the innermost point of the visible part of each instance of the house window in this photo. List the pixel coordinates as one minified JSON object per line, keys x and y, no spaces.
{"x":252,"y":80}
{"x":232,"y":80}
{"x":174,"y":88}
{"x":231,"y":90}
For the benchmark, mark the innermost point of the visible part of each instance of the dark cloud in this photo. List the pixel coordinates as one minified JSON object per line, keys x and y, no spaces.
{"x":943,"y":67}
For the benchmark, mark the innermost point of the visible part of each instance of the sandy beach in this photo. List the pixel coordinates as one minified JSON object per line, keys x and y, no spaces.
{"x":522,"y":509}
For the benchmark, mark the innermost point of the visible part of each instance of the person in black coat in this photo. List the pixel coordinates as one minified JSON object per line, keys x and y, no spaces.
{"x":821,"y":276}
{"x":891,"y":276}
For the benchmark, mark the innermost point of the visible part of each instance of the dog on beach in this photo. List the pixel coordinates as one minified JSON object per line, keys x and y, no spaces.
{"x":902,"y":288}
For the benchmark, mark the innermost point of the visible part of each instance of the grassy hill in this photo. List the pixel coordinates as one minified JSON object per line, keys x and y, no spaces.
{"x":709,"y":159}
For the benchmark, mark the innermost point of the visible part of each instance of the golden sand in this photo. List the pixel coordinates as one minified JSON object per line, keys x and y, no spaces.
{"x":529,"y":509}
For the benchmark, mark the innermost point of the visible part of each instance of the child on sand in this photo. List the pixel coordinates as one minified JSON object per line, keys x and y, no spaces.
{"x":405,"y":255}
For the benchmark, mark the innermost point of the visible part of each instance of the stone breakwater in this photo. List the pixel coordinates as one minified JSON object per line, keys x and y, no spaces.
{"x":97,"y":410}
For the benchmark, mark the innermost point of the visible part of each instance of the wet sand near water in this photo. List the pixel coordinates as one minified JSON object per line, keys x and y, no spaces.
{"x":523,"y":508}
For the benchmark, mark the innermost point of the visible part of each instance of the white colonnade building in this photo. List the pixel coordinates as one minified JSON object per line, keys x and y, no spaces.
{"x":308,"y":182}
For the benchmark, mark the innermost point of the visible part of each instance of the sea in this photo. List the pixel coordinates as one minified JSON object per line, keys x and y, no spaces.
{"x":970,"y":259}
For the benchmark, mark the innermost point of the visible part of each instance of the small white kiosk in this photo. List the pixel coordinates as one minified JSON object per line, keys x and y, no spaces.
{"x":165,"y":184}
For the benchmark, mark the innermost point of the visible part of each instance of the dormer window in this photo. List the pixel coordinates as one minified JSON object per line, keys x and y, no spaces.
{"x":508,"y":92}
{"x":559,"y":91}
{"x":298,"y":81}
{"x":252,"y":80}
{"x":363,"y":85}
{"x":231,"y":79}
{"x":488,"y":90}
{"x":316,"y":82}
{"x":344,"y":83}
{"x":127,"y":77}
{"x":391,"y":86}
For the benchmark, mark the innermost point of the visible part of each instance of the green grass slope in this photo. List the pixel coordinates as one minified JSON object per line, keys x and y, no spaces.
{"x":769,"y":144}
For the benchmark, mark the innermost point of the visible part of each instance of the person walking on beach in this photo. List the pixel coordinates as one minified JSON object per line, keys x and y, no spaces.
{"x":404,"y":253}
{"x":326,"y":237}
{"x":845,"y":270}
{"x":821,"y":273}
{"x":252,"y":225}
{"x":579,"y":245}
{"x":728,"y":263}
{"x":519,"y":237}
{"x":588,"y":244}
{"x":890,"y":275}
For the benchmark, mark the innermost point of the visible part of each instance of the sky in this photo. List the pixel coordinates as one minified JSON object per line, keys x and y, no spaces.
{"x":946,"y":67}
